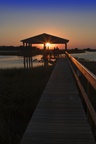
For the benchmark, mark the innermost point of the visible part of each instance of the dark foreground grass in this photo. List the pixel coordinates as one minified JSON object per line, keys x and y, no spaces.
{"x":20,"y":90}
{"x":90,"y":65}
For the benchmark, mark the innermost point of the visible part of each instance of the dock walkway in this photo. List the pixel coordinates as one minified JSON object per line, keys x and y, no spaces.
{"x":59,"y":117}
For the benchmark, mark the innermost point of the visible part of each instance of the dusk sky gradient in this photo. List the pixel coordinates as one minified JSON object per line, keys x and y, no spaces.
{"x":70,"y":19}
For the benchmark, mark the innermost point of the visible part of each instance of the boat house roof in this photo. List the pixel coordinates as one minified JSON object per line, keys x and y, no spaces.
{"x":45,"y":38}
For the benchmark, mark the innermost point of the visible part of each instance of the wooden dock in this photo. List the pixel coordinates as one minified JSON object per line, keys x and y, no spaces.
{"x":59,"y":117}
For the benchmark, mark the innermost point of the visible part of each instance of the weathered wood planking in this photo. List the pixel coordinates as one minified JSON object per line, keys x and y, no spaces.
{"x":59,"y":117}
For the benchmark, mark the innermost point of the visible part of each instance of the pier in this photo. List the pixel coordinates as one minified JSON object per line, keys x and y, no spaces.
{"x":59,"y":117}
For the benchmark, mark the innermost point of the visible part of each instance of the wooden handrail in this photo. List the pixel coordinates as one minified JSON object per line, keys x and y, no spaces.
{"x":86,"y":99}
{"x":89,"y":75}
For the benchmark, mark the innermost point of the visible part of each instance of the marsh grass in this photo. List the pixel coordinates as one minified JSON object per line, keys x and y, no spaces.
{"x":91,"y":65}
{"x":20,"y":90}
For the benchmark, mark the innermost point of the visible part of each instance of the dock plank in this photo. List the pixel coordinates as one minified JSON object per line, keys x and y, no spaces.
{"x":59,"y":117}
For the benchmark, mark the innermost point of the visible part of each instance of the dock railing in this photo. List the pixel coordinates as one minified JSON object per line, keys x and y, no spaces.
{"x":86,"y":82}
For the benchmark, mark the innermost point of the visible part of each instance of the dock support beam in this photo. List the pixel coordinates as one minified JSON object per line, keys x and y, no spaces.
{"x":65,"y":46}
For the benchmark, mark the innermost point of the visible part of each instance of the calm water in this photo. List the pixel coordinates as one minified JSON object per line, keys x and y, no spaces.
{"x":88,"y":56}
{"x":17,"y":62}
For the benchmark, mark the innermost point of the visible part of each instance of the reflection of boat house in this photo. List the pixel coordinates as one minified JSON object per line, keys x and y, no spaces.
{"x":43,"y":39}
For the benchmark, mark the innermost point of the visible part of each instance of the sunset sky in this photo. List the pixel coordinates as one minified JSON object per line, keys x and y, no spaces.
{"x":70,"y":19}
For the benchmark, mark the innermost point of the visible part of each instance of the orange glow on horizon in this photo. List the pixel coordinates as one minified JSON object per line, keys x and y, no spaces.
{"x":50,"y":46}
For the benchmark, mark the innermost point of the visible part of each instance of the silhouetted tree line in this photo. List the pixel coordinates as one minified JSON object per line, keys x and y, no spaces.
{"x":16,"y":48}
{"x":20,"y":50}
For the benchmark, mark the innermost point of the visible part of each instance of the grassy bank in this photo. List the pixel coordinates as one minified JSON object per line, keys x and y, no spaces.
{"x":91,"y":65}
{"x":20,"y":91}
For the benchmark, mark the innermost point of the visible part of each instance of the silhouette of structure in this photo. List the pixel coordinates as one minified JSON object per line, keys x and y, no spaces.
{"x":42,"y":39}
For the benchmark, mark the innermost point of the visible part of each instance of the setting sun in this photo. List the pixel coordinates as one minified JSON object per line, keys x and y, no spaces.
{"x":47,"y":44}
